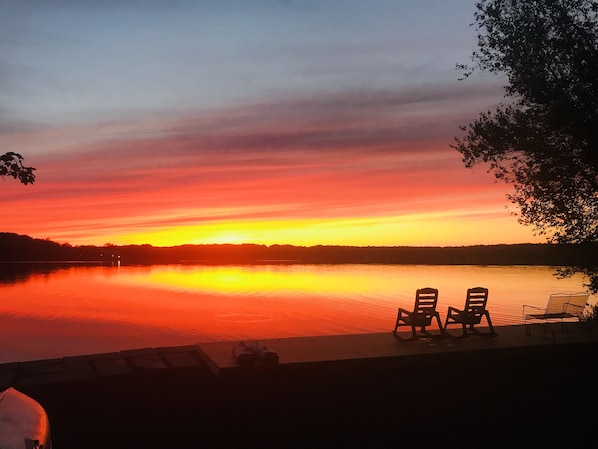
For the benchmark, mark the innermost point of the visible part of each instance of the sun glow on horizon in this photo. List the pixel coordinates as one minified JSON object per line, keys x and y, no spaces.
{"x":231,"y":280}
{"x":454,"y":228}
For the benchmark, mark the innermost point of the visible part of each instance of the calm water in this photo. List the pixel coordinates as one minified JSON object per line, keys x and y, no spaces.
{"x":81,"y":310}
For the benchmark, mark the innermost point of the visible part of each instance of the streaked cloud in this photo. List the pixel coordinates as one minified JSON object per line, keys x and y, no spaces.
{"x":274,"y":121}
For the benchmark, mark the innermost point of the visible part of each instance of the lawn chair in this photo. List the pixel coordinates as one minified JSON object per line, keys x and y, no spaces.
{"x":472,"y":313}
{"x":562,"y":308}
{"x":421,"y":315}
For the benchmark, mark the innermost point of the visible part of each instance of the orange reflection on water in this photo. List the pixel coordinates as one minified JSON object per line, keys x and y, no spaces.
{"x":82,"y":310}
{"x":230,"y":280}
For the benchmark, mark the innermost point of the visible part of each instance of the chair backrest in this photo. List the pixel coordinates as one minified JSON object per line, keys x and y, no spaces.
{"x":577,"y":303}
{"x":426,"y":300}
{"x":475,"y":302}
{"x":559,"y":302}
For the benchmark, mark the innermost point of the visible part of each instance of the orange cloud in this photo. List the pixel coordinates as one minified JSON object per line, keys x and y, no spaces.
{"x":356,"y":168}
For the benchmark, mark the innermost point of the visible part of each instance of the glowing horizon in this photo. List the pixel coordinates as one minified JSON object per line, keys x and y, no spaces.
{"x":165,"y":191}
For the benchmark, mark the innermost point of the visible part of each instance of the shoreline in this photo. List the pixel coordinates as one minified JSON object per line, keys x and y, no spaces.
{"x":504,"y":394}
{"x":22,"y":248}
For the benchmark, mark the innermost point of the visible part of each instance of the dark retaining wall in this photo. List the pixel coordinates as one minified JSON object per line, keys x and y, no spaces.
{"x":528,"y":397}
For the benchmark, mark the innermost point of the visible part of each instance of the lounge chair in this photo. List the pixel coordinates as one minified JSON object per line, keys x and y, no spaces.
{"x":421,"y":315}
{"x":561,"y":308}
{"x":472,"y":313}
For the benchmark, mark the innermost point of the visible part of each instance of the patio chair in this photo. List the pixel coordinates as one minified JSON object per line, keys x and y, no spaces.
{"x":421,"y":316}
{"x":561,"y":308}
{"x":472,"y":313}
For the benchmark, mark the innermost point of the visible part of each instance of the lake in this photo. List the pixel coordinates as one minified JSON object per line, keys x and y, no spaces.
{"x":74,"y":310}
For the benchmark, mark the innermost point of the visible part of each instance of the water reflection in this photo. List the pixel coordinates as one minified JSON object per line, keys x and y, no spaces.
{"x":82,"y":309}
{"x":11,"y":273}
{"x":321,"y":280}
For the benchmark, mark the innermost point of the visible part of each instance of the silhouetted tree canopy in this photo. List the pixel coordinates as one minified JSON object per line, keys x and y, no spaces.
{"x":23,"y":248}
{"x":11,"y":164}
{"x":544,"y":141}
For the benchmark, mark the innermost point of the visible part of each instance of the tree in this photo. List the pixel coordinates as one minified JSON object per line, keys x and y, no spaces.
{"x":544,"y":141}
{"x":11,"y":164}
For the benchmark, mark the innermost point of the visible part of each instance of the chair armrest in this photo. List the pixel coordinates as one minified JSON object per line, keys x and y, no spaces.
{"x":404,"y":311}
{"x":429,"y":313}
{"x":532,"y":307}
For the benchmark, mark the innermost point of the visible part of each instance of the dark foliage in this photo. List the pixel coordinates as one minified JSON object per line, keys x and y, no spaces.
{"x":33,"y":255}
{"x":545,"y":141}
{"x":11,"y":164}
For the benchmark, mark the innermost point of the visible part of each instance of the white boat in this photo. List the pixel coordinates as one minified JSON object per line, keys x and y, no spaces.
{"x":23,"y":422}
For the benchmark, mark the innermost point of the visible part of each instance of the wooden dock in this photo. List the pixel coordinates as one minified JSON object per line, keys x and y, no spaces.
{"x":364,"y":348}
{"x":343,"y":391}
{"x":294,"y":353}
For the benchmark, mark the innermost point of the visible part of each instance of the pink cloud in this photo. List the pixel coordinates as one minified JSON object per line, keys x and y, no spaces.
{"x":353,"y":154}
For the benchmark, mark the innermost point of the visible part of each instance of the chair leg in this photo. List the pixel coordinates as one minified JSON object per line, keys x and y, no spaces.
{"x":440,"y":328}
{"x":547,"y":326}
{"x":446,"y":323}
{"x":490,"y":324}
{"x":526,"y":326}
{"x":397,"y":323}
{"x":445,"y":329}
{"x":396,"y":334}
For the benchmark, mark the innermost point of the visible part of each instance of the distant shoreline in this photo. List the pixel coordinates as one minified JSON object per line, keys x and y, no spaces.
{"x":22,"y":249}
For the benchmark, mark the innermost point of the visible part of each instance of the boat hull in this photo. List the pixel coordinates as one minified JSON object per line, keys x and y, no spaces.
{"x":23,"y":422}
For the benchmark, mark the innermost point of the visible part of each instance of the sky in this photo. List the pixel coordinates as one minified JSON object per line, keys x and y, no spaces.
{"x":298,"y":122}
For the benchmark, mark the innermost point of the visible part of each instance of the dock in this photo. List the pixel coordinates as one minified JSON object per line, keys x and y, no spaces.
{"x":366,"y":348}
{"x":294,"y":353}
{"x":362,"y":391}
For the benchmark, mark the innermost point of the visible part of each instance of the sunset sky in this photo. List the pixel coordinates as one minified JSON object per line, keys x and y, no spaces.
{"x":298,"y":122}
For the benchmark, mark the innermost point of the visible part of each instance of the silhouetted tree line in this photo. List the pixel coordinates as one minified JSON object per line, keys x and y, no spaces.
{"x":22,"y":248}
